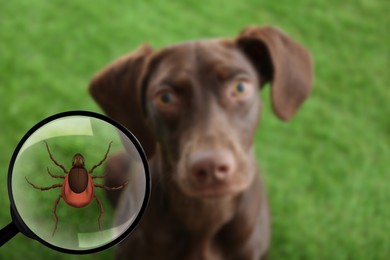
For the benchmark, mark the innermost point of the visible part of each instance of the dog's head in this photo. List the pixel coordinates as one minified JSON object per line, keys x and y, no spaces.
{"x":199,"y":101}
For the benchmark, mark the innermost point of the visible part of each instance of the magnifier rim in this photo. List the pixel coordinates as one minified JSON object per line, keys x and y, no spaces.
{"x":135,"y":142}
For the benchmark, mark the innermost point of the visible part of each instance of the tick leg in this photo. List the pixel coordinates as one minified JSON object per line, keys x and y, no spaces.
{"x":44,"y":188}
{"x":110,"y":188}
{"x":104,"y":158}
{"x":102,"y":176}
{"x":51,"y":157}
{"x":54,"y":176}
{"x":54,"y":214}
{"x":101,"y":211}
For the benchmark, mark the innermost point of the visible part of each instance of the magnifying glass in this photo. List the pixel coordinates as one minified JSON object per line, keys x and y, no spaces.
{"x":56,"y":183}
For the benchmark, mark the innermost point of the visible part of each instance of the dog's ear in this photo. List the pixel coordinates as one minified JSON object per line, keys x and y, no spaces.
{"x":116,"y":88}
{"x":283,"y":62}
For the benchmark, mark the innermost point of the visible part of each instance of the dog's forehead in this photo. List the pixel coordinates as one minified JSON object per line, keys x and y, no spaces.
{"x":189,"y":56}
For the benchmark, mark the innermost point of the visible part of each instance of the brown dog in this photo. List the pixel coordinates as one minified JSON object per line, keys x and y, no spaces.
{"x":195,"y":108}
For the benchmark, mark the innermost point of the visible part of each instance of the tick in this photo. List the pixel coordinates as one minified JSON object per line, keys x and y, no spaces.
{"x":78,"y":186}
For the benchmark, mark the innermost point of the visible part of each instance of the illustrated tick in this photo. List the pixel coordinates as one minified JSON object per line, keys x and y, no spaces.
{"x":77,"y":187}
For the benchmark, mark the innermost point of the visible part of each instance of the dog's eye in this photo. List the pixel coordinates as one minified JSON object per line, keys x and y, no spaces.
{"x":166,"y":100}
{"x":241,"y":89}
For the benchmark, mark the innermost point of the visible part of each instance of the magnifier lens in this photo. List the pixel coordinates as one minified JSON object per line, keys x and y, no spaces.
{"x":57,"y":183}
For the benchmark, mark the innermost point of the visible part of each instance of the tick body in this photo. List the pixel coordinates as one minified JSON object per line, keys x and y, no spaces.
{"x":72,"y":193}
{"x":78,"y":188}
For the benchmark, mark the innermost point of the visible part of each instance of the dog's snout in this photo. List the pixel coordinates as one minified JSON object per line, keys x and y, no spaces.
{"x":211,"y":166}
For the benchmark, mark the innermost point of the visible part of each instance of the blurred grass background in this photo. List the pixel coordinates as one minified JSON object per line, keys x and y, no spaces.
{"x":327,"y":171}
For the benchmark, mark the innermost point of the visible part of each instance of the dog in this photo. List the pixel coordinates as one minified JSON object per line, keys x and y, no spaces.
{"x":195,"y":107}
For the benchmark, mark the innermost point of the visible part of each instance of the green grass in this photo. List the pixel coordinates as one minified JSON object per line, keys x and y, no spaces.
{"x":327,"y":171}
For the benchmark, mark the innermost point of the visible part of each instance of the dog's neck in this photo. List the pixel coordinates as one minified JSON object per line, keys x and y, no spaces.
{"x":197,"y":228}
{"x":202,"y":218}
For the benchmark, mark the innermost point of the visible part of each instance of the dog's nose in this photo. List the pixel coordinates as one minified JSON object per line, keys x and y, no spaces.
{"x":211,"y":165}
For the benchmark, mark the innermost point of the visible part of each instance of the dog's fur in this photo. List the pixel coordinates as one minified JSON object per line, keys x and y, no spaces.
{"x":195,"y":107}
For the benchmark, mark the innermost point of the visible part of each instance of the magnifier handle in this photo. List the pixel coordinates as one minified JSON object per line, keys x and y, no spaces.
{"x":8,"y":232}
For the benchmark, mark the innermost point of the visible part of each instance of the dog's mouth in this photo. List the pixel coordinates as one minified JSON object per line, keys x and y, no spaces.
{"x":216,"y":189}
{"x":213,"y":171}
{"x":213,"y":191}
